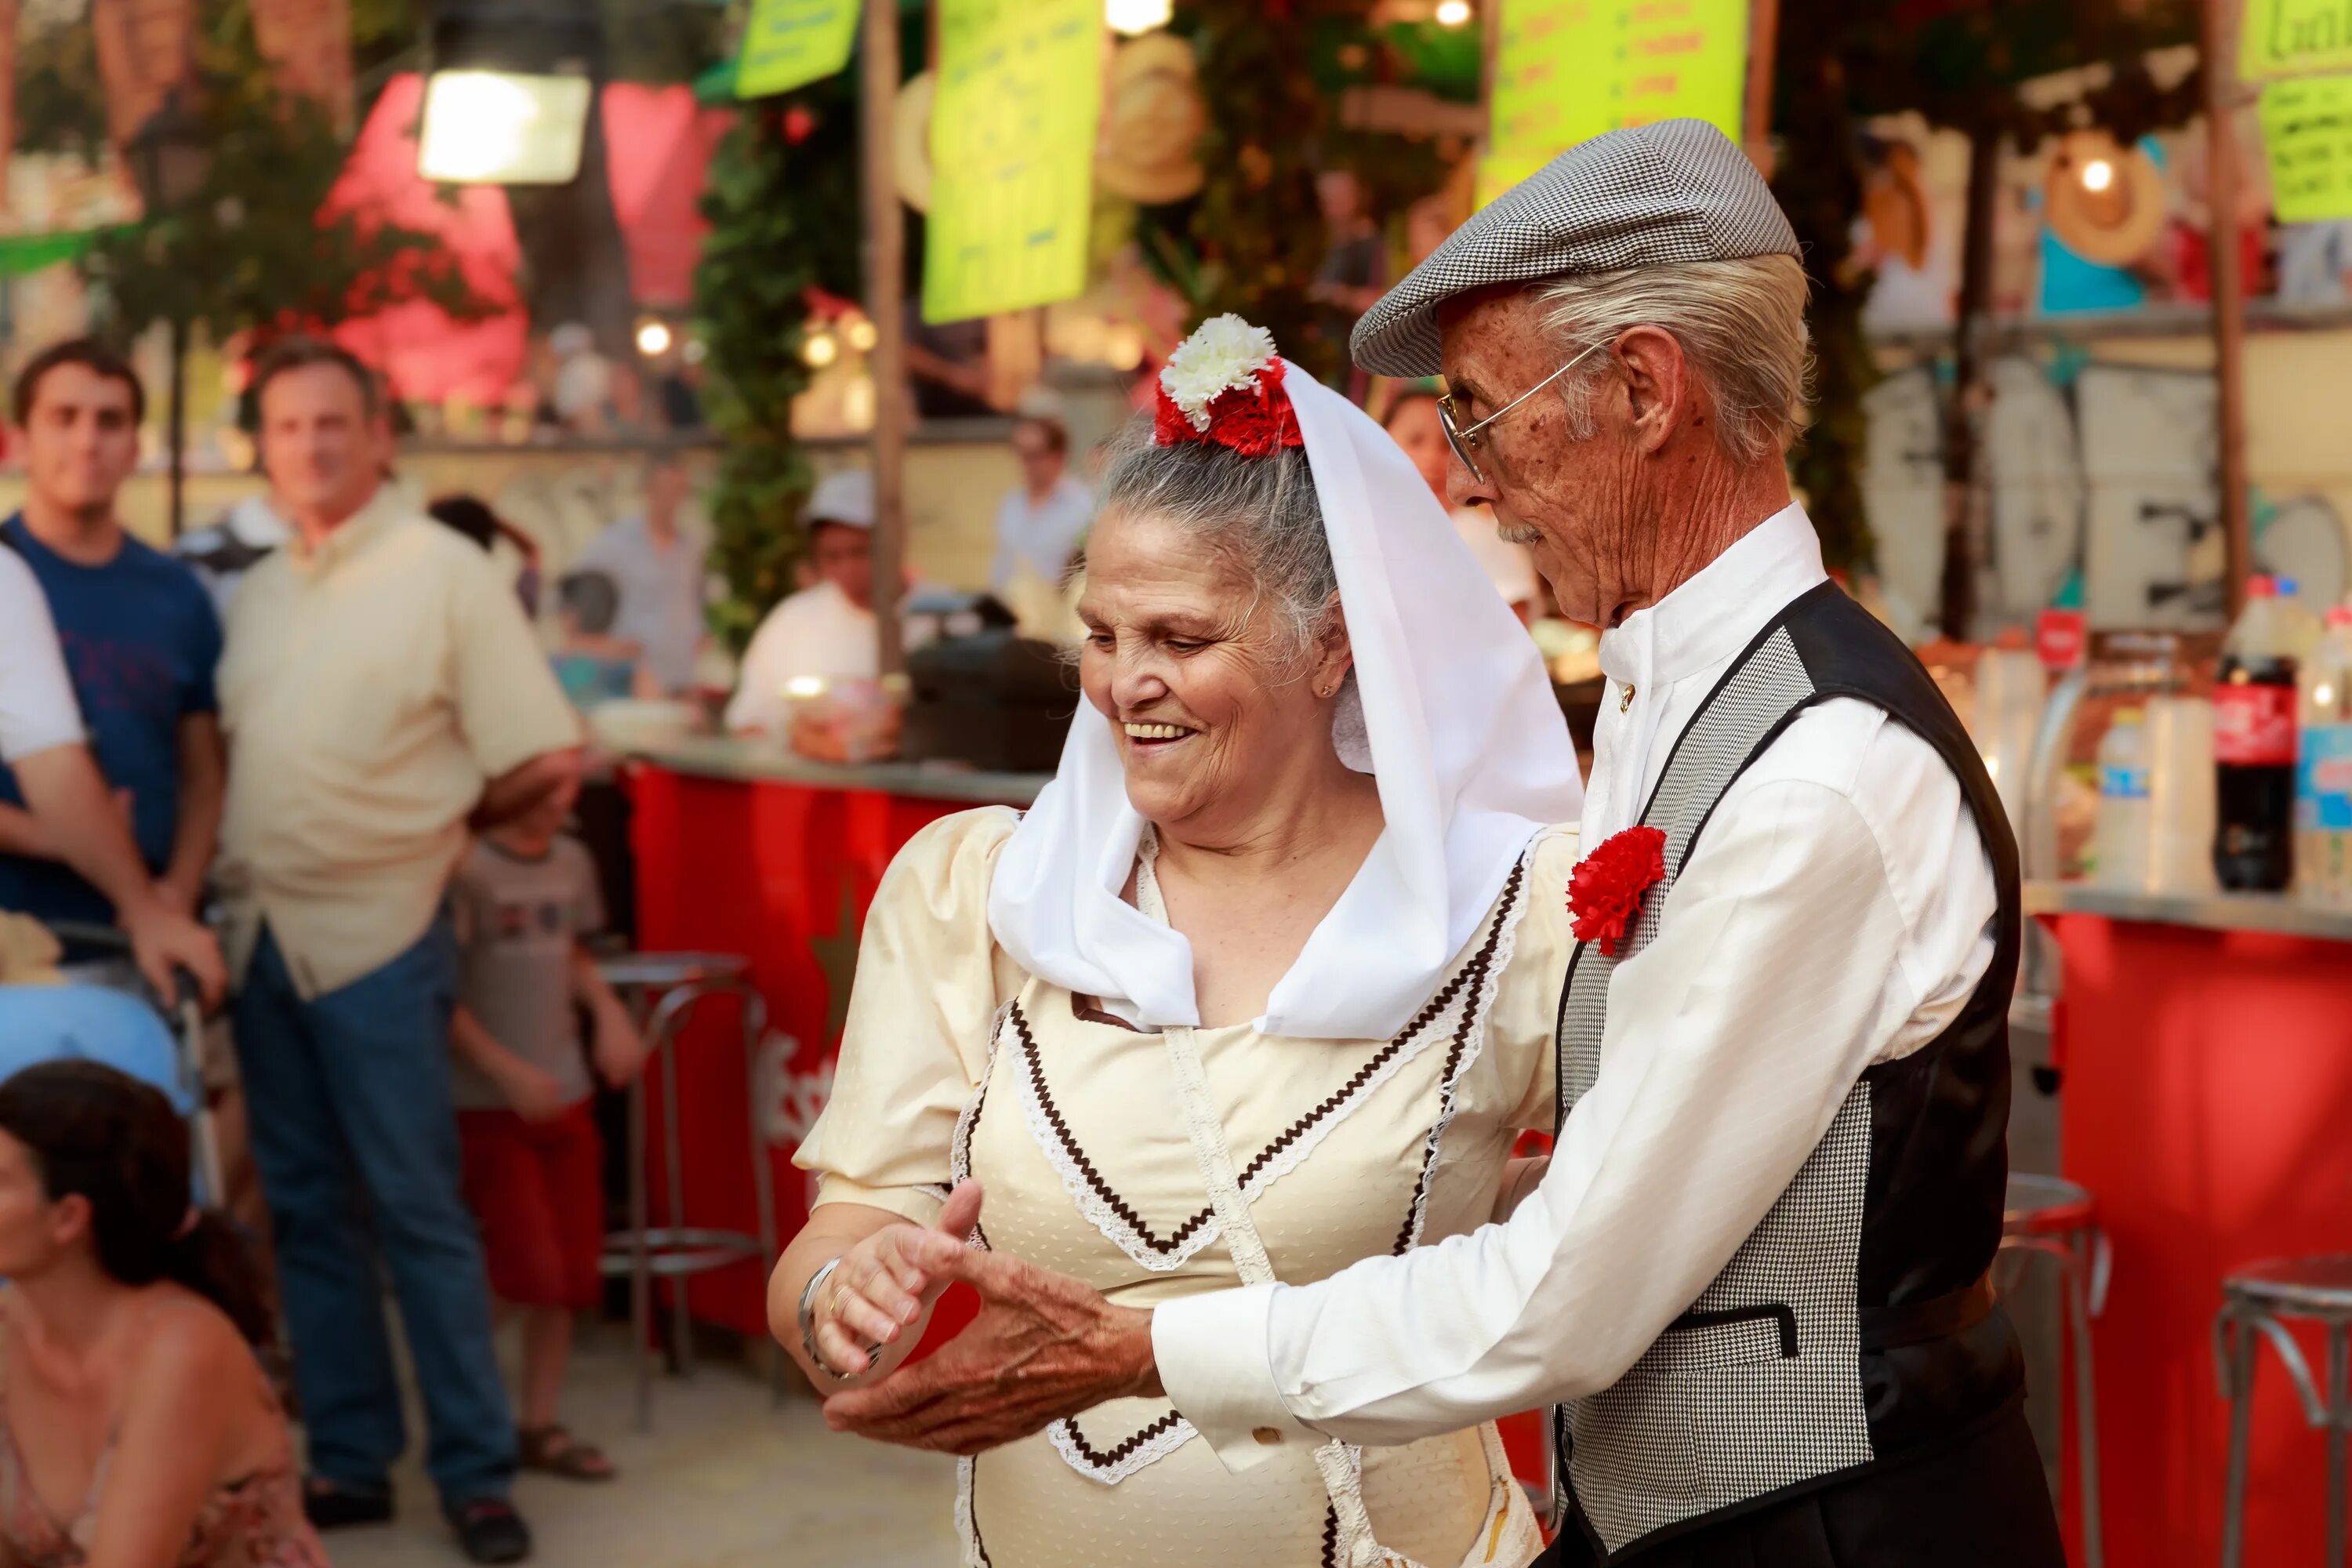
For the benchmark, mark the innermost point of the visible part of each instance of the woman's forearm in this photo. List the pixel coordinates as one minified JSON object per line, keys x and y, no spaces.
{"x":832,"y":1231}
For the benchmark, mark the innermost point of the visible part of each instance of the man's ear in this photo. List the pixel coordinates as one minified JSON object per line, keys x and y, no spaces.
{"x":1658,"y":385}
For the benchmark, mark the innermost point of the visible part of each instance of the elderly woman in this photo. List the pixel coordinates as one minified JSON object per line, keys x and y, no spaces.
{"x":1264,"y":984}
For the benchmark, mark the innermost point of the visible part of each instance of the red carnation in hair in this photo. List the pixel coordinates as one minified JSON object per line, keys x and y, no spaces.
{"x":1604,"y":891}
{"x":1253,"y":420}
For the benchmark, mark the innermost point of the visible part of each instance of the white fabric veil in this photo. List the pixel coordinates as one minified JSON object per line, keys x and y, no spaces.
{"x":1468,"y":746}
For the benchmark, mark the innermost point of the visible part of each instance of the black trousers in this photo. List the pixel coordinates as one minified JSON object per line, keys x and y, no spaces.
{"x":1983,"y":1503}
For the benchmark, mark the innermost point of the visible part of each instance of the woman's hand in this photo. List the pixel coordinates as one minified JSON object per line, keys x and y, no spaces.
{"x":877,"y":1292}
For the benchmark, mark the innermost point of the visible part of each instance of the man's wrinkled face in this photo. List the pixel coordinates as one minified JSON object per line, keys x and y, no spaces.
{"x":1574,"y":503}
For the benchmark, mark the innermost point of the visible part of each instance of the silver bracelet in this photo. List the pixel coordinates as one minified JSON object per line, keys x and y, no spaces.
{"x":808,"y":1315}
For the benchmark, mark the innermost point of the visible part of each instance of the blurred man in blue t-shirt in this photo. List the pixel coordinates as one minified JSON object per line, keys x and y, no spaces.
{"x":139,"y":634}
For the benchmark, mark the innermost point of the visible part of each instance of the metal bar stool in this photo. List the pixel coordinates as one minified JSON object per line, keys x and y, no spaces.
{"x":2262,"y":1299}
{"x":2057,"y":1219}
{"x":662,"y":990}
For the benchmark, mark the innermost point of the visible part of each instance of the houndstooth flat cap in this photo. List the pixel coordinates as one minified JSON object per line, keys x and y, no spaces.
{"x":1647,"y":195}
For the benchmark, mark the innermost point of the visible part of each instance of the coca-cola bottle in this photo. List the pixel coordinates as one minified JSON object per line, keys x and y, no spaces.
{"x":2254,"y":744}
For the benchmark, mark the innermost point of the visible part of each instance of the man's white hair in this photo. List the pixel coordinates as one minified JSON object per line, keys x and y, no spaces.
{"x":1742,"y":325}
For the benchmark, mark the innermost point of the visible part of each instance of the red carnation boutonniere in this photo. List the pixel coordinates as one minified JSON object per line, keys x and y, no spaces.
{"x":1604,"y":891}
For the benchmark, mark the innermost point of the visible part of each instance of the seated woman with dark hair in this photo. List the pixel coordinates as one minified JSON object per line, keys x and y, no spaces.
{"x":137,"y":1429}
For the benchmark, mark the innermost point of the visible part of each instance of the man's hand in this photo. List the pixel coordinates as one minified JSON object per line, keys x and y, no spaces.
{"x":1044,"y":1346}
{"x":165,"y":942}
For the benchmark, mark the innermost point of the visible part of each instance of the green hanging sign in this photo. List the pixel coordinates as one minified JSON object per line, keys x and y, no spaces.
{"x":791,"y":43}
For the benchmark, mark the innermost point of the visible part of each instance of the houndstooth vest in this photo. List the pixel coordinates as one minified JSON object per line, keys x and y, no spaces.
{"x":1854,"y":1324}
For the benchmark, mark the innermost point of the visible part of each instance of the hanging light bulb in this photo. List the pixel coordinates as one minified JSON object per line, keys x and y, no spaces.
{"x":2098,"y":174}
{"x":1453,"y":13}
{"x":1130,"y":17}
{"x":861,"y":335}
{"x":820,"y":351}
{"x":654,"y":337}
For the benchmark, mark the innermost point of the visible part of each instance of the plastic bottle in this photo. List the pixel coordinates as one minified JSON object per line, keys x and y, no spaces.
{"x":2253,"y":746}
{"x":2126,"y":825}
{"x":2010,"y":689}
{"x":2299,"y":628}
{"x":2322,"y":782}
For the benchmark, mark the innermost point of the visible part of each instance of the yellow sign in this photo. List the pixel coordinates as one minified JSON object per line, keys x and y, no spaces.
{"x":1567,"y":71}
{"x":2307,"y":131}
{"x":1013,"y":145}
{"x":791,"y":43}
{"x":2294,"y":37}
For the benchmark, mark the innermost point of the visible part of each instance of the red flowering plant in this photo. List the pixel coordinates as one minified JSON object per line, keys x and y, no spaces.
{"x":1604,"y":891}
{"x":1224,"y":385}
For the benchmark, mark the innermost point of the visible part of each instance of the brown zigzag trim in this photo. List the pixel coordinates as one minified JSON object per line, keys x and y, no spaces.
{"x":1120,"y":1450}
{"x":1472,"y":974}
{"x":977,"y":1544}
{"x":1476,"y":970}
{"x":1330,"y":1536}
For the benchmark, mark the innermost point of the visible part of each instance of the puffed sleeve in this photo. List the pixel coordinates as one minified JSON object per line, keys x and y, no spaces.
{"x":925,"y":996}
{"x":1526,"y":1005}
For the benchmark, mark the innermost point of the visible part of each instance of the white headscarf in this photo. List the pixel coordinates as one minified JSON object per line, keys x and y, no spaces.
{"x":1466,"y":743}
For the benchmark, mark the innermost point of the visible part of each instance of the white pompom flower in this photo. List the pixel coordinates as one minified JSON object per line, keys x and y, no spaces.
{"x":1224,"y":354}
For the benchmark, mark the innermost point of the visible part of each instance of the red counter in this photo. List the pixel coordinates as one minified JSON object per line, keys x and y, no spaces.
{"x":744,"y":850}
{"x":2207,"y":1051}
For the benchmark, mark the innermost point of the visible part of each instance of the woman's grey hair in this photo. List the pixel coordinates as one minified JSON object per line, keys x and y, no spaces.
{"x":1259,"y":513}
{"x":1742,"y":324}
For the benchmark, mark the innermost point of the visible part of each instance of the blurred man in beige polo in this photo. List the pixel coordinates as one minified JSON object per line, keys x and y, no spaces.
{"x":381,"y":691}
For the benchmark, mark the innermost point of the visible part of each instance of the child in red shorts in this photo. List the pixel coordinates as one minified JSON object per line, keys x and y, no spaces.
{"x":523,"y":897}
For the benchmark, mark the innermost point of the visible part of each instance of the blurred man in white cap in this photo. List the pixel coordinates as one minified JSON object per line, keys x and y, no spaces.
{"x":826,"y":632}
{"x":1753,"y":1279}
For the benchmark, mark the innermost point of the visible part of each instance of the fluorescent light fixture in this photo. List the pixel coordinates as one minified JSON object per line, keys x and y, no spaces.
{"x":1131,"y":18}
{"x":503,"y":128}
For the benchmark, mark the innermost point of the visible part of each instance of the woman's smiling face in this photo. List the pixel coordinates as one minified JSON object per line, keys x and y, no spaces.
{"x":1192,"y":665}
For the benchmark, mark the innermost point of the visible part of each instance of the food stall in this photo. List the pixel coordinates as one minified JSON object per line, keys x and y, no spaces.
{"x":2205,"y":1044}
{"x":744,"y":848}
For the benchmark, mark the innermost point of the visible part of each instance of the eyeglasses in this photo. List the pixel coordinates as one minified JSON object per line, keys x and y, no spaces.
{"x":1465,"y":441}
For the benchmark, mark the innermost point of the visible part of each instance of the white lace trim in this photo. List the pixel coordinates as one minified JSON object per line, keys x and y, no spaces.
{"x":1063,"y":1436}
{"x":1506,"y":941}
{"x":1116,"y":1229}
{"x":967,"y":1533}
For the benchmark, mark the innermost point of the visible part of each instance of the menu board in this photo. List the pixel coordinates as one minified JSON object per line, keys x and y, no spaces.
{"x":2307,"y":132}
{"x":1567,"y":71}
{"x":1012,"y":142}
{"x":791,"y":43}
{"x":2291,"y":38}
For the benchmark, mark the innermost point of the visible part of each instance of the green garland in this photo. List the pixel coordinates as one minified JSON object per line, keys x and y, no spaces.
{"x":1258,"y":226}
{"x":781,"y":192}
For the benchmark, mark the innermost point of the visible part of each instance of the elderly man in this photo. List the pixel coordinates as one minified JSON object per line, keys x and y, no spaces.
{"x":1753,"y":1276}
{"x":383,"y":694}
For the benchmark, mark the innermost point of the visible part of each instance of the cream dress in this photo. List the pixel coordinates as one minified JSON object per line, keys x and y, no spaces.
{"x":957,"y":1062}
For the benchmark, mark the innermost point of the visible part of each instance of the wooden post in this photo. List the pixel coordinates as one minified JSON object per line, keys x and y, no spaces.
{"x":2229,"y":299}
{"x":1756,"y":109}
{"x":177,"y":421}
{"x":1964,"y":416}
{"x":886,"y":242}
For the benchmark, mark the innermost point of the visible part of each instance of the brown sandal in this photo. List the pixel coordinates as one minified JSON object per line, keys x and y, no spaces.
{"x":557,"y":1452}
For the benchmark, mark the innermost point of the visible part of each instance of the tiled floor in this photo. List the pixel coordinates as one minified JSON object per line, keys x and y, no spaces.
{"x":724,"y":1481}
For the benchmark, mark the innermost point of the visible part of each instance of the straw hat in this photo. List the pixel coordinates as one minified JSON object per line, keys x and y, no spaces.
{"x":2116,"y":224}
{"x":1152,"y":117}
{"x":910,"y":141}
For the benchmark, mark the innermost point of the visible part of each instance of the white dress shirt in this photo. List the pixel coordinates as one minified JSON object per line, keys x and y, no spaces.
{"x":1835,"y":914}
{"x":818,"y":632}
{"x":38,"y":710}
{"x":1040,"y":534}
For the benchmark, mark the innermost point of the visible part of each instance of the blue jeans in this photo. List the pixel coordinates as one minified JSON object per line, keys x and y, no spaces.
{"x":357,"y":1141}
